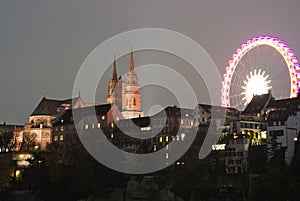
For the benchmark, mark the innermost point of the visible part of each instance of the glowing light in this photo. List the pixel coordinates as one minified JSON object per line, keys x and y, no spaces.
{"x":18,"y":173}
{"x":283,"y":49}
{"x":257,"y":83}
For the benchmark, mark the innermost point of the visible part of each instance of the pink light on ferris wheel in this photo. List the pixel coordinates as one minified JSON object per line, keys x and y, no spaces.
{"x":279,"y":45}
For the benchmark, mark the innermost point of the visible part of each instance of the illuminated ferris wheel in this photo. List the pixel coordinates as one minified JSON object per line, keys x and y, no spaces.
{"x":262,"y":64}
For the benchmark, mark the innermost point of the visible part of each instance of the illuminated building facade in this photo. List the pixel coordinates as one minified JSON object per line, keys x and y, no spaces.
{"x":125,"y":93}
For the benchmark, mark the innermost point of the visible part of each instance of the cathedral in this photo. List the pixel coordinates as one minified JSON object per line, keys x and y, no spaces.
{"x":124,"y":93}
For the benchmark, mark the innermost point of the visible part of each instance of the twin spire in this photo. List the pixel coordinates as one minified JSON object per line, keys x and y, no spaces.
{"x":131,"y":66}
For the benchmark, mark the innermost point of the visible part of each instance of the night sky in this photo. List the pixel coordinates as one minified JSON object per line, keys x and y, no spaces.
{"x":43,"y":43}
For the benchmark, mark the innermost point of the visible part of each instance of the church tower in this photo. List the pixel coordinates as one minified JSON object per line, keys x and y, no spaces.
{"x":131,"y":96}
{"x":114,"y":93}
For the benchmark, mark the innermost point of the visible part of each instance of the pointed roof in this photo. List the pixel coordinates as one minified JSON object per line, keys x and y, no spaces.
{"x":47,"y":107}
{"x":258,"y":103}
{"x":114,"y":73}
{"x":131,"y":61}
{"x":50,"y":106}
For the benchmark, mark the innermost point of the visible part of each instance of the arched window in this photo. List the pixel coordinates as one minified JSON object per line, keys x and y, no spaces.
{"x":134,"y":102}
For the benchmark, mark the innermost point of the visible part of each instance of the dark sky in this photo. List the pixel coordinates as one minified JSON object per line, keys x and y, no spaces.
{"x":43,"y":43}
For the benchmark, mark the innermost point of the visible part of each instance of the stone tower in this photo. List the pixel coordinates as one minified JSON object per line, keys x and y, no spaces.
{"x":131,"y":96}
{"x":114,"y":92}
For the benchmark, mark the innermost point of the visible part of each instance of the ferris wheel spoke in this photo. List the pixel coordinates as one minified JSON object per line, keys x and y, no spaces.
{"x":258,"y":66}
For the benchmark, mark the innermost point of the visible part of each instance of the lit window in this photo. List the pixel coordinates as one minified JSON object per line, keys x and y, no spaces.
{"x":154,"y":148}
{"x":118,"y":118}
{"x":167,"y":155}
{"x":62,"y":121}
{"x":93,"y":125}
{"x":99,"y":125}
{"x":61,"y":128}
{"x":177,"y":137}
{"x":112,"y":136}
{"x":181,"y":121}
{"x":182,"y":136}
{"x":160,"y":139}
{"x":55,"y":138}
{"x":103,"y":117}
{"x":167,"y":138}
{"x":61,"y":137}
{"x":112,"y":125}
{"x":86,"y":126}
{"x":192,"y":123}
{"x":148,"y":128}
{"x":167,"y":147}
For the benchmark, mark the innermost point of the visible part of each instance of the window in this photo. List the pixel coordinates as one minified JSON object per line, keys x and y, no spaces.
{"x":112,"y":136}
{"x":167,"y":147}
{"x":276,"y":133}
{"x":167,"y":138}
{"x":93,"y":125}
{"x":61,"y":128}
{"x":134,"y":102}
{"x":167,"y":155}
{"x":99,"y":125}
{"x":240,"y":154}
{"x":160,"y":139}
{"x":61,"y":137}
{"x":103,"y":117}
{"x":182,"y":136}
{"x":154,"y":148}
{"x":55,"y":138}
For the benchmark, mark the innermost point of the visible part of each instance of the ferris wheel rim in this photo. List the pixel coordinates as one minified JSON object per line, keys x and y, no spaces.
{"x":279,"y":45}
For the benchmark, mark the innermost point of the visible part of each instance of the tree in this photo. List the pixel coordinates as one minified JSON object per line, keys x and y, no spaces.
{"x":28,"y":140}
{"x":6,"y":141}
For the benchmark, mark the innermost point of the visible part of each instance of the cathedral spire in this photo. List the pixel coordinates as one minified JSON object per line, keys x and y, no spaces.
{"x":114,"y":73}
{"x":131,"y":61}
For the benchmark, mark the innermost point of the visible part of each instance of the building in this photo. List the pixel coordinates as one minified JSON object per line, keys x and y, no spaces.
{"x":36,"y":134}
{"x":236,"y":155}
{"x":283,"y":130}
{"x":68,"y":127}
{"x":8,"y":140}
{"x":125,"y":93}
{"x":275,"y":122}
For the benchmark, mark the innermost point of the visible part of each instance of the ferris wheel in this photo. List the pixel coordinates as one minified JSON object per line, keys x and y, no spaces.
{"x":260,"y":65}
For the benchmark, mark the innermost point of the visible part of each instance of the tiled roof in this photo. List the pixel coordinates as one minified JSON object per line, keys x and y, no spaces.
{"x":67,"y":115}
{"x":47,"y":107}
{"x":257,"y":103}
{"x":289,"y":103}
{"x":4,"y":128}
{"x":50,"y":106}
{"x":139,"y":121}
{"x":279,"y":115}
